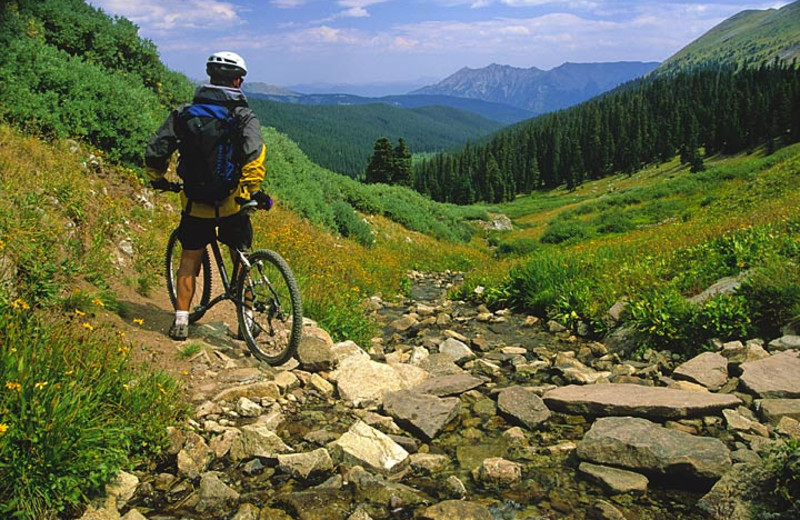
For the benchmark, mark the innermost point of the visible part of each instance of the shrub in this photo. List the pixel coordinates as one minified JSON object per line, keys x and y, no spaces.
{"x":350,"y":225}
{"x":725,"y":317}
{"x":516,"y":247}
{"x":663,"y":317}
{"x":773,"y":294}
{"x":783,"y":461}
{"x":558,"y":232}
{"x":72,"y":412}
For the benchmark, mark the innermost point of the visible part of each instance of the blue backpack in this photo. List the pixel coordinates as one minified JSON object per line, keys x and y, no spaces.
{"x":208,"y":164}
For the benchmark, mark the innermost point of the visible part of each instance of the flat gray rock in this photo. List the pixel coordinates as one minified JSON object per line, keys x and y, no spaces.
{"x":424,"y":413}
{"x":709,"y":369}
{"x":775,"y":409}
{"x":444,"y":386}
{"x":616,"y":480}
{"x":523,"y":406}
{"x":775,"y":377}
{"x":637,"y":400}
{"x":641,"y":445}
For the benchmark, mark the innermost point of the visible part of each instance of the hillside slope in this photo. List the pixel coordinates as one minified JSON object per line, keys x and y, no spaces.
{"x":746,"y":39}
{"x":341,"y":138}
{"x":494,"y":111}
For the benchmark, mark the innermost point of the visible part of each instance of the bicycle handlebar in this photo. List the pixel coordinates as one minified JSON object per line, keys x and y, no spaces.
{"x":247,"y":205}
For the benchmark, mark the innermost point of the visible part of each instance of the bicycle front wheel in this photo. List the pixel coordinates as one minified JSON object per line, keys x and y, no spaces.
{"x":269,"y":307}
{"x":172,"y":262}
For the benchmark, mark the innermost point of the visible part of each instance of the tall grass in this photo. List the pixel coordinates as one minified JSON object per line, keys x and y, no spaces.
{"x":740,"y":217}
{"x":73,"y":412}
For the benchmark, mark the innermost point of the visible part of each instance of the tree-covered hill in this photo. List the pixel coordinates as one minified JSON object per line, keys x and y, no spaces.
{"x":341,"y":138}
{"x":718,"y":111}
{"x":494,"y":111}
{"x":747,"y":39}
{"x":69,"y":70}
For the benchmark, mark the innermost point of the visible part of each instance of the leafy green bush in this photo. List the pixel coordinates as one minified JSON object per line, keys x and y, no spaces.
{"x":724,"y":317}
{"x":783,"y":461}
{"x":72,"y":412}
{"x":350,"y":225}
{"x":516,"y":247}
{"x":663,"y":317}
{"x":773,"y":293}
{"x":558,"y":232}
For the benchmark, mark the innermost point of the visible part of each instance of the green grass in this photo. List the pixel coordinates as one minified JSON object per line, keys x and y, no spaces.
{"x":655,"y":239}
{"x":73,"y":412}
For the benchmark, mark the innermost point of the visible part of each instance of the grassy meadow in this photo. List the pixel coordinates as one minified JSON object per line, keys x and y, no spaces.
{"x":651,"y":239}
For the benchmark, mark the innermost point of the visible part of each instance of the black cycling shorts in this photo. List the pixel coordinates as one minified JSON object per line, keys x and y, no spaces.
{"x":196,"y":233}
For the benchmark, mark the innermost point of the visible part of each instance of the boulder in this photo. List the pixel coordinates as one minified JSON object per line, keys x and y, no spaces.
{"x":641,"y":445}
{"x":775,"y":409}
{"x":253,"y":391}
{"x":213,"y":496}
{"x":709,"y":369}
{"x":456,"y":350}
{"x":775,"y":377}
{"x":363,"y":382}
{"x":374,"y":489}
{"x":523,"y":406}
{"x":302,"y":465}
{"x":448,"y":385}
{"x":195,"y":456}
{"x":314,"y":351}
{"x":637,"y":400}
{"x":576,"y":372}
{"x":316,"y":504}
{"x":784,"y":343}
{"x":257,"y":440}
{"x":364,"y":445}
{"x":733,"y":496}
{"x":426,"y":414}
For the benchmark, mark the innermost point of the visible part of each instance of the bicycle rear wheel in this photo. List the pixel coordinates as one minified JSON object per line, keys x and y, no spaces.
{"x":172,"y":262}
{"x":269,"y":309}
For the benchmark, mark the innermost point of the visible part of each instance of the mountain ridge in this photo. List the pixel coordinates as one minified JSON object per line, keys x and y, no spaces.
{"x":537,"y":90}
{"x":748,"y":38}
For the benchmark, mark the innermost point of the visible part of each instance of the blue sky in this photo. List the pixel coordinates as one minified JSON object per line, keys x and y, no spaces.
{"x":287,"y":42}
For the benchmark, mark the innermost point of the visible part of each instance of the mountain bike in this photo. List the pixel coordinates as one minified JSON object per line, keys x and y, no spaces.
{"x":265,"y":293}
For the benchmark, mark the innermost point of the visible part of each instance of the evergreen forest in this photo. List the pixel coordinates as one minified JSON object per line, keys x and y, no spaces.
{"x":341,"y":138}
{"x":695,"y":114}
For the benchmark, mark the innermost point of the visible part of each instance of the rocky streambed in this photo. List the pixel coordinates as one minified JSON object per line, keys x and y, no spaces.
{"x":456,"y":412}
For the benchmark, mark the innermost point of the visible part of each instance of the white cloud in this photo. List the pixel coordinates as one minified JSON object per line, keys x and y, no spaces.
{"x":159,"y":17}
{"x":287,"y":4}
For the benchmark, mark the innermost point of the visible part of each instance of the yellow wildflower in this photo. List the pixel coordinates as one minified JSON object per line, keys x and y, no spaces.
{"x":3,"y":428}
{"x":87,"y":326}
{"x":79,"y":312}
{"x":138,"y":321}
{"x":19,"y":303}
{"x":13,"y":386}
{"x":98,"y":302}
{"x":40,"y":385}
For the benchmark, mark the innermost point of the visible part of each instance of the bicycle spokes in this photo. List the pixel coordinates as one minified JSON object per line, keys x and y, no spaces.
{"x":271,"y":315}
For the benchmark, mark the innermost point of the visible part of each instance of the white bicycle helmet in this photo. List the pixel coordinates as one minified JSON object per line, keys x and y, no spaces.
{"x":226,"y":64}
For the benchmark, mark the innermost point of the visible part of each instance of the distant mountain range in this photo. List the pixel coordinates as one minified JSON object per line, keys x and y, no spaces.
{"x":746,"y":39}
{"x":494,"y":111}
{"x":536,"y":90}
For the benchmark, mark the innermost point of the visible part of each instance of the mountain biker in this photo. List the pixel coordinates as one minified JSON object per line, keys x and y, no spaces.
{"x":200,"y":220}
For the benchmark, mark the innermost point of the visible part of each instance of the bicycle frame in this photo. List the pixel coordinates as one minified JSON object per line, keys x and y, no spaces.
{"x":223,"y":273}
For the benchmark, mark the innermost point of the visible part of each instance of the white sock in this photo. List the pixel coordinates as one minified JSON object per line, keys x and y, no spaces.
{"x":181,"y":317}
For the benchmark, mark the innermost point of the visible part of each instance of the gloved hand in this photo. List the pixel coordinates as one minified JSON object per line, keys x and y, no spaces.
{"x":264,"y":201}
{"x":161,"y":184}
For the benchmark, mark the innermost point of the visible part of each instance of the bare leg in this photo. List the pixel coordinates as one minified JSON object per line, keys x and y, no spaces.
{"x":187,"y":272}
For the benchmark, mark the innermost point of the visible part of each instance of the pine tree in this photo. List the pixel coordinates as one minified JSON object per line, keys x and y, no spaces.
{"x":402,"y":171}
{"x":380,"y":167}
